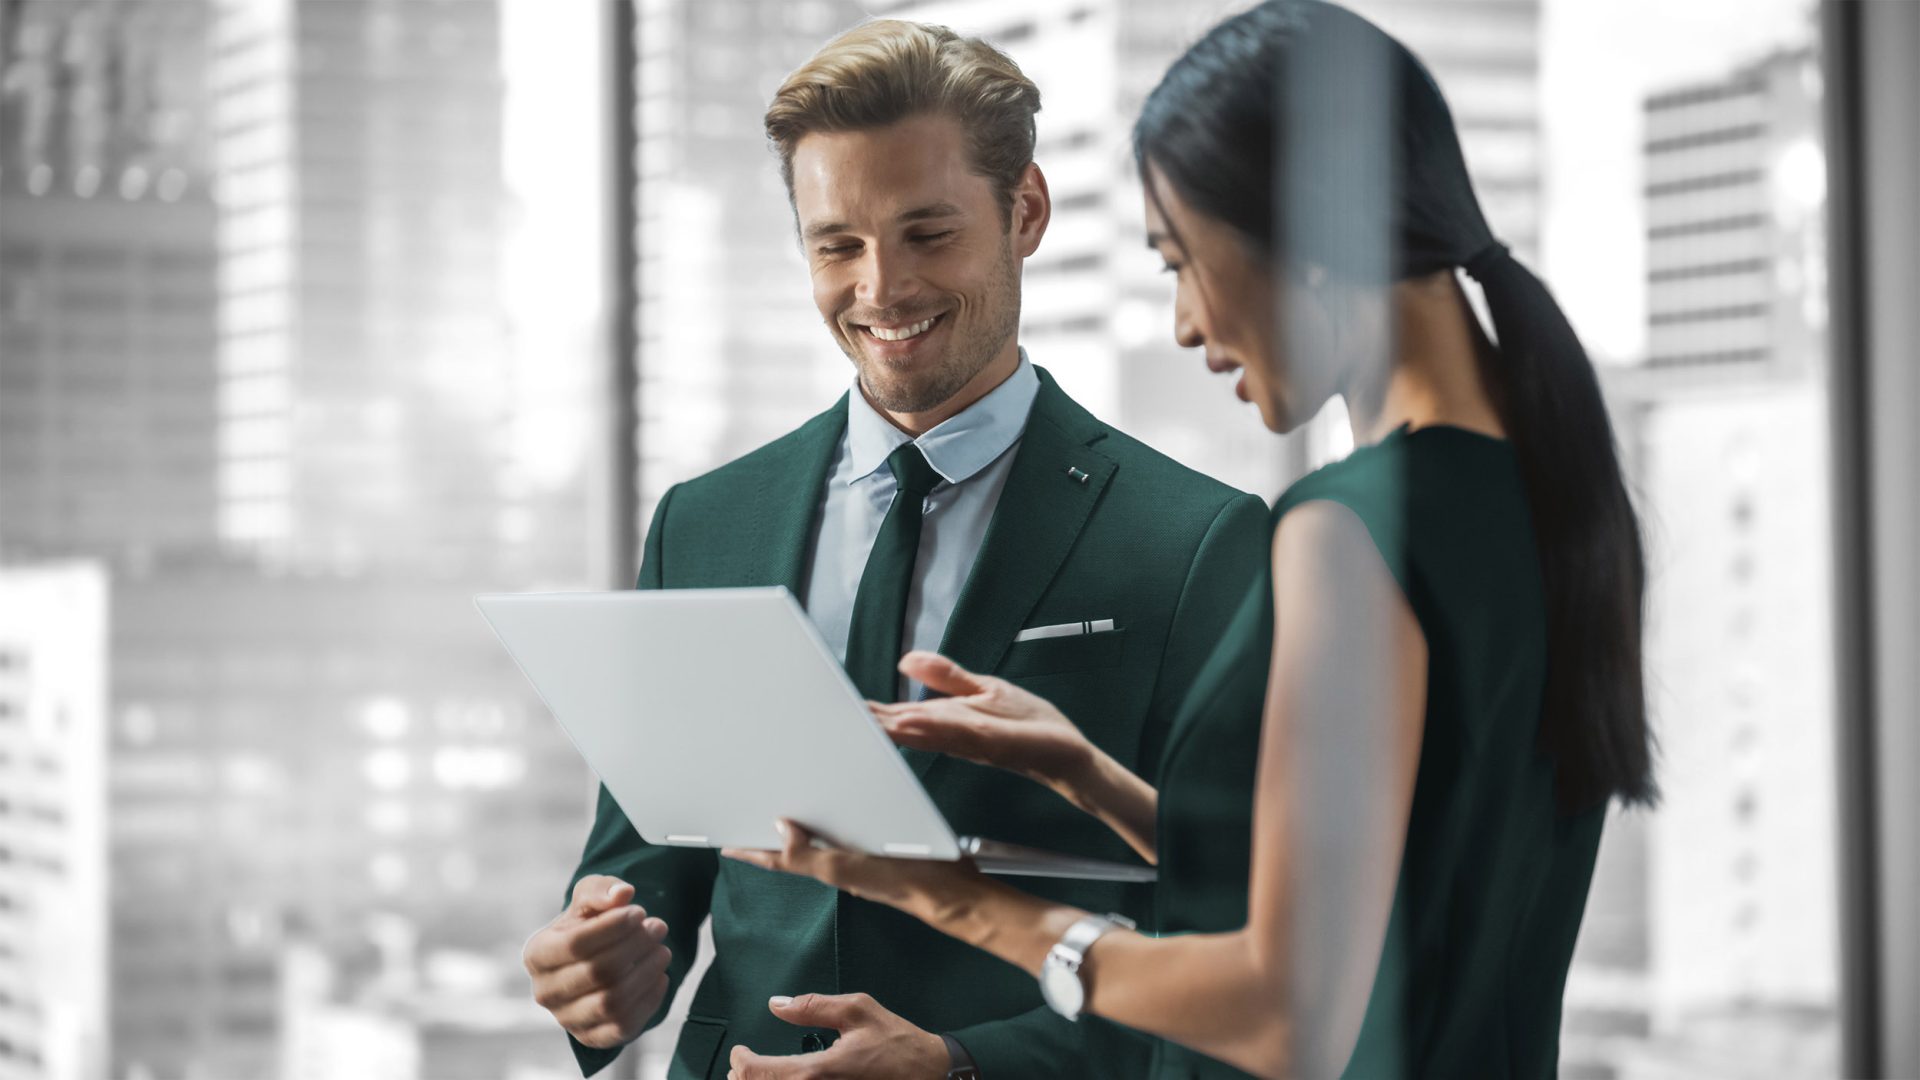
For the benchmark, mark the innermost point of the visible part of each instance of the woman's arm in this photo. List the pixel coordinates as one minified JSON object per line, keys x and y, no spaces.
{"x":991,"y":721}
{"x":1340,"y":750}
{"x":1120,"y":799}
{"x":1340,"y":744}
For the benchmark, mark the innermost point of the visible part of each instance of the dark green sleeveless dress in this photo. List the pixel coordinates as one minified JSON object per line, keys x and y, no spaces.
{"x":1494,"y":879}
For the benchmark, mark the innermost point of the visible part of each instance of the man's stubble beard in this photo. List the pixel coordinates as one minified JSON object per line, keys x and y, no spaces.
{"x":964,"y":359}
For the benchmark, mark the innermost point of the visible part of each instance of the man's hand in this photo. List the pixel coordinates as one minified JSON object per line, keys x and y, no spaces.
{"x":599,"y":967}
{"x":873,"y":1043}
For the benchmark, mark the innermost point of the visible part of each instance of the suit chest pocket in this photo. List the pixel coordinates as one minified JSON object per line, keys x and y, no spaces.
{"x":1059,"y":655}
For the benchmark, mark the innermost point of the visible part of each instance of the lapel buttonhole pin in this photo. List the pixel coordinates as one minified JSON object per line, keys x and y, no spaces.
{"x":1076,"y":474}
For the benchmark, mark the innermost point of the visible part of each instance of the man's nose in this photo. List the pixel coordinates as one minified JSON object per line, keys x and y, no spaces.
{"x":886,"y":278}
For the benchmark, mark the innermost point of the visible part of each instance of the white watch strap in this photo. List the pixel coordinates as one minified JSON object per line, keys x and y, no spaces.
{"x":1087,"y":930}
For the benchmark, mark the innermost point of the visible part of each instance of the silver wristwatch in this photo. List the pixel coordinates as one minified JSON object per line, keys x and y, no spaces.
{"x":1060,"y":982}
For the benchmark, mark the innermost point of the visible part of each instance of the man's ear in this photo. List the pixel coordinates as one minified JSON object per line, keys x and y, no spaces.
{"x":1032,"y":210}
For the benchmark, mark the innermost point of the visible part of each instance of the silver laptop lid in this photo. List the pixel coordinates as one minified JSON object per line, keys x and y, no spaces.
{"x":710,"y":712}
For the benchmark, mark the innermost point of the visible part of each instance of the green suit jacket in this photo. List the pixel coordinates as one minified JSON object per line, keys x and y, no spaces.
{"x":1161,"y":550}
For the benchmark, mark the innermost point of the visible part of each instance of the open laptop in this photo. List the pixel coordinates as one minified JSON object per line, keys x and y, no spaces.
{"x":708,"y":713}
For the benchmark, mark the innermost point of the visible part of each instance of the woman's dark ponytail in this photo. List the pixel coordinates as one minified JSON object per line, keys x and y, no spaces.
{"x":1594,"y":723}
{"x":1219,"y":127}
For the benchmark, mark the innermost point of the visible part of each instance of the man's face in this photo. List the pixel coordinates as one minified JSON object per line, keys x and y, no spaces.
{"x":915,"y":268}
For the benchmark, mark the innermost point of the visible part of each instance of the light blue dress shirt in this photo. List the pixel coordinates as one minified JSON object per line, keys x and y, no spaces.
{"x":971,"y":451}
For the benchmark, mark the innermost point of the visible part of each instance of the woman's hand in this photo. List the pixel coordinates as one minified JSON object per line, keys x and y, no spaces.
{"x":989,"y":721}
{"x":933,"y":890}
{"x":993,"y":722}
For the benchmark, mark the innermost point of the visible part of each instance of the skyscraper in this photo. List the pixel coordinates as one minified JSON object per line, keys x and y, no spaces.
{"x":1486,"y":58}
{"x":324,"y":764}
{"x":732,"y":353}
{"x":1735,"y":181}
{"x":1736,"y":302}
{"x":54,"y":982}
{"x":363,"y":351}
{"x":1724,"y":431}
{"x":107,"y":324}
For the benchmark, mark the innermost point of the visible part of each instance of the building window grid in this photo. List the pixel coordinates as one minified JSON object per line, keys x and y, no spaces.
{"x":1709,"y":314}
{"x":1730,"y":178}
{"x":1735,"y":133}
{"x":1710,"y":270}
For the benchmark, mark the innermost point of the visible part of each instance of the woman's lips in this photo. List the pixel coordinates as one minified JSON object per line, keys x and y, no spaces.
{"x":1221,"y":366}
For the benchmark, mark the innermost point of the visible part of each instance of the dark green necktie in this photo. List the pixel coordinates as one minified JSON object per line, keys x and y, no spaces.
{"x":880,"y":607}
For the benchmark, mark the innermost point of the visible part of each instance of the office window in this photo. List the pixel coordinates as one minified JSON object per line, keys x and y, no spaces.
{"x":301,"y":303}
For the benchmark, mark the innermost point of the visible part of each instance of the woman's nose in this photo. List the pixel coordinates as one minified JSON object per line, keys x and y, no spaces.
{"x":1186,"y":333}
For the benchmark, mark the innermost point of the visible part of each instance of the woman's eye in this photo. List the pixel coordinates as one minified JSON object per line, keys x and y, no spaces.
{"x":1170,"y":268}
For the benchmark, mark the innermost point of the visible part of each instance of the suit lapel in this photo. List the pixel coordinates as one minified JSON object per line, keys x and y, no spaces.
{"x":1042,"y":509}
{"x":787,"y":498}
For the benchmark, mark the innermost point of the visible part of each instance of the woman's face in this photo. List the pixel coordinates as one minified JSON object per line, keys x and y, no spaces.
{"x":1228,"y":301}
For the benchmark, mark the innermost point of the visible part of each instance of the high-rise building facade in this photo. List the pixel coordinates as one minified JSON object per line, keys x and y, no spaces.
{"x":324,"y":764}
{"x":732,"y":353}
{"x":107,"y":330}
{"x":1735,"y":182}
{"x":55,"y":993}
{"x":1735,"y":454}
{"x":1485,"y":54}
{"x":363,"y":352}
{"x":1733,"y":971}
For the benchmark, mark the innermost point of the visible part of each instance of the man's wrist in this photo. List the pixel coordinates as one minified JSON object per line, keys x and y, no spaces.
{"x":960,"y":1064}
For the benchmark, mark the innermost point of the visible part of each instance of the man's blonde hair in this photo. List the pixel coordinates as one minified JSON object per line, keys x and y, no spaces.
{"x":887,"y":70}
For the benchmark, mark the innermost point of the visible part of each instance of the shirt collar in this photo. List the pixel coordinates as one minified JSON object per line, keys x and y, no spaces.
{"x":957,"y":448}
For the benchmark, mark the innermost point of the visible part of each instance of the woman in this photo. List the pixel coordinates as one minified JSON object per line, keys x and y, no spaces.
{"x":1441,"y":670}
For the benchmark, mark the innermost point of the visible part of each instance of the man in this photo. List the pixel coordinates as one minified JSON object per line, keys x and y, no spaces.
{"x":907,"y":153}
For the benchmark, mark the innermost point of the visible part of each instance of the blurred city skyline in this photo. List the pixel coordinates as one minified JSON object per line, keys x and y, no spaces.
{"x":257,"y":370}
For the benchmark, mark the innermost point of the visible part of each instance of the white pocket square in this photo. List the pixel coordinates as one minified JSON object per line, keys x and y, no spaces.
{"x":1065,"y":629}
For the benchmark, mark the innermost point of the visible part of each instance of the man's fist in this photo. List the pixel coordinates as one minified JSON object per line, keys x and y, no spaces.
{"x":600,"y":966}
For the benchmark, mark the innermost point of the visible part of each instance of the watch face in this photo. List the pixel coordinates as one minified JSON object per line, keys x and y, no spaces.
{"x":1061,"y":987}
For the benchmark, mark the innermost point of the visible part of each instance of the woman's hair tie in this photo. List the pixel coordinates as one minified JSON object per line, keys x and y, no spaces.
{"x":1488,"y":258}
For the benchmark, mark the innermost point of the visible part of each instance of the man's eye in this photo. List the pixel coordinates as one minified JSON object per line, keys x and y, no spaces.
{"x":838,"y":249}
{"x":1170,"y":268}
{"x":928,"y":237}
